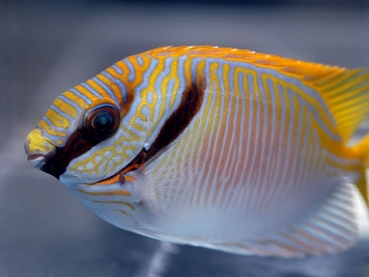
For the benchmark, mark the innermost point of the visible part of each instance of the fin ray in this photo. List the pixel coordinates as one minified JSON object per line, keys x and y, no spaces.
{"x":331,"y":227}
{"x":349,"y":90}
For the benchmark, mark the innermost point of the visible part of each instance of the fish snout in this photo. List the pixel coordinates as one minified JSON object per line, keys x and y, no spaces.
{"x":38,"y":149}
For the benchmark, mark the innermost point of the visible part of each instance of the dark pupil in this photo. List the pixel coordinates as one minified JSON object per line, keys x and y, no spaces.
{"x":103,"y":122}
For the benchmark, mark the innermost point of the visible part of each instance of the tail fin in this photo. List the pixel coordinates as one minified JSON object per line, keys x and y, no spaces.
{"x":346,"y":92}
{"x":347,"y":95}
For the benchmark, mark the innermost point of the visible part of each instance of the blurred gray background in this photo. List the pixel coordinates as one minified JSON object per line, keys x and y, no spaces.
{"x":47,"y":47}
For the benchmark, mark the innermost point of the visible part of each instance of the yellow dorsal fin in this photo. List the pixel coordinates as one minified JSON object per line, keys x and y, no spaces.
{"x":345,"y":91}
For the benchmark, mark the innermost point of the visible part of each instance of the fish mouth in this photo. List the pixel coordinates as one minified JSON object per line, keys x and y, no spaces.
{"x":36,"y":160}
{"x":42,"y":162}
{"x":38,"y":149}
{"x":54,"y":160}
{"x":41,"y":152}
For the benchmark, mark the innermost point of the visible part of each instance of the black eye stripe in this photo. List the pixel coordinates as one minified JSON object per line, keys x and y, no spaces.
{"x":76,"y":146}
{"x":98,"y":123}
{"x":190,"y":105}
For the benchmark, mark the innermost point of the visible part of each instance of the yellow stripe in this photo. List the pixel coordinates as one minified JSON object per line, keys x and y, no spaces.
{"x":66,"y":108}
{"x":50,"y":129}
{"x":57,"y":120}
{"x":348,"y":167}
{"x":84,"y":91}
{"x":173,"y":75}
{"x":139,"y":70}
{"x":149,"y":89}
{"x":97,"y":88}
{"x":342,"y":82}
{"x":74,"y":98}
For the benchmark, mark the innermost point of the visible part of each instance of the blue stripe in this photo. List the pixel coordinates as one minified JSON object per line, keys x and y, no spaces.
{"x":283,"y":183}
{"x":318,"y":119}
{"x":120,"y":84}
{"x":262,"y":144}
{"x":131,"y":75}
{"x":303,"y":150}
{"x":90,"y":89}
{"x":70,"y":102}
{"x":297,"y":139}
{"x":307,"y":90}
{"x":139,"y":88}
{"x":140,"y":60}
{"x":147,"y":75}
{"x":55,"y":128}
{"x":163,"y":74}
{"x":239,"y":187}
{"x":60,"y":112}
{"x":117,"y":69}
{"x":80,"y":95}
{"x":231,"y":80}
{"x":273,"y":187}
{"x":266,"y":186}
{"x":253,"y":125}
{"x":194,"y":63}
{"x":181,"y":72}
{"x":107,"y":89}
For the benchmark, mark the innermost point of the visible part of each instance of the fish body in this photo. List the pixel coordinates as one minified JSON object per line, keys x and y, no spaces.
{"x":223,"y":148}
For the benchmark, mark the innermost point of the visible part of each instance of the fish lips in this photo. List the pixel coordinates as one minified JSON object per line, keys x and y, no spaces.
{"x":36,"y":160}
{"x":46,"y":163}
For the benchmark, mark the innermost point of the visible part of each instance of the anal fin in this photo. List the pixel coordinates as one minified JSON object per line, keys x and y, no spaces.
{"x":330,"y":227}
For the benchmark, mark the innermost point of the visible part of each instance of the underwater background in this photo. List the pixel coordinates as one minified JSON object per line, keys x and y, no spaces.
{"x":47,"y":47}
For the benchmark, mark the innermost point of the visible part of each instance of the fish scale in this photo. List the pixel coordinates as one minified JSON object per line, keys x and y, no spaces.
{"x":217,"y":147}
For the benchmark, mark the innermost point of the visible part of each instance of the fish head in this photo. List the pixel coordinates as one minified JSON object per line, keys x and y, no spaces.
{"x":83,"y":140}
{"x":86,"y":142}
{"x":98,"y":137}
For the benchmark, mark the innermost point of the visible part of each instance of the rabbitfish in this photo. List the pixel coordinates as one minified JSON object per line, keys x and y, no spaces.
{"x":216,"y":147}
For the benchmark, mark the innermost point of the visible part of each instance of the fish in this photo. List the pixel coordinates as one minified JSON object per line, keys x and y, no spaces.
{"x":223,"y":148}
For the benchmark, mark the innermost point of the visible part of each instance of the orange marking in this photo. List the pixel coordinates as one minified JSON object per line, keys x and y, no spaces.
{"x":119,"y":177}
{"x":104,"y":193}
{"x":124,"y":212}
{"x":115,"y":202}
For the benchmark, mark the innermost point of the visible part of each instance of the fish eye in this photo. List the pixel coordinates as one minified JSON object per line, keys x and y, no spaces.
{"x":101,"y":122}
